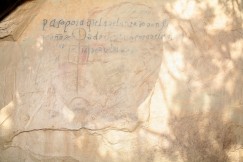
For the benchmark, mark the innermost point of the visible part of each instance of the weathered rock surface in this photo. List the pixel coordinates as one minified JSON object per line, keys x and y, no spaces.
{"x":122,"y":81}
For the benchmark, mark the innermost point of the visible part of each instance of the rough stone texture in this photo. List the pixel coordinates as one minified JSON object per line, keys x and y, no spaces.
{"x":143,"y":81}
{"x":13,"y":26}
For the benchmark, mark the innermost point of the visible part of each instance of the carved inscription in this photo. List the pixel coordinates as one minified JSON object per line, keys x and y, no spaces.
{"x":105,"y":65}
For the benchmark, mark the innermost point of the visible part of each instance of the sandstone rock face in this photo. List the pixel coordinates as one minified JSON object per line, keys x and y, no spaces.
{"x":122,"y":81}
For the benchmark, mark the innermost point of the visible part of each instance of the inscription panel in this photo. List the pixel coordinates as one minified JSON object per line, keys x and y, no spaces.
{"x":103,"y":66}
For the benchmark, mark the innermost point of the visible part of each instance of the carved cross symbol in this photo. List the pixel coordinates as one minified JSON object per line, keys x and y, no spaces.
{"x":76,"y":55}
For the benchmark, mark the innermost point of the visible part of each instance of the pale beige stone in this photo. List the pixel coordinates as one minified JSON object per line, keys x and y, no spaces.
{"x":13,"y":26}
{"x":122,"y":81}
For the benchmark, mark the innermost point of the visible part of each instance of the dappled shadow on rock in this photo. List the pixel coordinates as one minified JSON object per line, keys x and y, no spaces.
{"x":207,"y":83}
{"x":195,"y":103}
